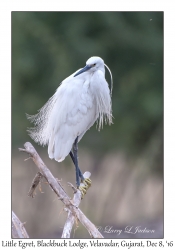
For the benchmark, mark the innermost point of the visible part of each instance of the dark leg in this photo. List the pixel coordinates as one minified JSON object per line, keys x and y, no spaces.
{"x":75,"y":153}
{"x":87,"y":181}
{"x":80,"y":173}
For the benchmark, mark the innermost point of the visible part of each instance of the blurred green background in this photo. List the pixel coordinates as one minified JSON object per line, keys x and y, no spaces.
{"x":125,"y":159}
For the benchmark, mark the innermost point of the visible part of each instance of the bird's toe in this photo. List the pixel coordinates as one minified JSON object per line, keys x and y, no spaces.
{"x":83,"y":191}
{"x":87,"y":182}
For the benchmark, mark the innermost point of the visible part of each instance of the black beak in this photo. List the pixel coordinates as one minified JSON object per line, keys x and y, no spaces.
{"x":87,"y":67}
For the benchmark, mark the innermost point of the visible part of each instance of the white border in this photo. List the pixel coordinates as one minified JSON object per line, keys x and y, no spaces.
{"x":5,"y":93}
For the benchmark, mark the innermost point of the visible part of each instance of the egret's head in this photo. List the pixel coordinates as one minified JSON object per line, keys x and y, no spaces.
{"x":93,"y":63}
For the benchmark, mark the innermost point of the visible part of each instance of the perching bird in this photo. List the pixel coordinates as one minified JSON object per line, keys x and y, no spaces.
{"x":81,"y":99}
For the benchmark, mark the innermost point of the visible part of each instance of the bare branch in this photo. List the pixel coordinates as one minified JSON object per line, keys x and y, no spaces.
{"x":18,"y":229}
{"x":76,"y":201}
{"x":62,"y":195}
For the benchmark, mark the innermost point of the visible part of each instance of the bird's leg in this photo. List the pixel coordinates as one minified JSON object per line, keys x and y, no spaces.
{"x":87,"y":181}
{"x":82,"y":189}
{"x":75,"y":153}
{"x":80,"y":173}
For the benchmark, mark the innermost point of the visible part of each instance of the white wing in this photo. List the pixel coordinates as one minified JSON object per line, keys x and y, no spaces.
{"x":72,"y":115}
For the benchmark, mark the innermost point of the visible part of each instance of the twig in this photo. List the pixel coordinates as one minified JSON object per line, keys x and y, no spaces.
{"x":76,"y":201}
{"x":18,"y":229}
{"x":35,"y":183}
{"x":56,"y":187}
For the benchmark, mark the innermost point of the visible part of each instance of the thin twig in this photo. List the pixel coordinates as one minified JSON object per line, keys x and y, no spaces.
{"x":35,"y":183}
{"x":56,"y":187}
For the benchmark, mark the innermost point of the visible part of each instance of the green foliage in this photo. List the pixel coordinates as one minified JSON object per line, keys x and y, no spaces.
{"x":49,"y":46}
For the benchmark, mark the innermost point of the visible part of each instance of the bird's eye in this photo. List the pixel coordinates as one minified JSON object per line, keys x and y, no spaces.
{"x":94,"y":64}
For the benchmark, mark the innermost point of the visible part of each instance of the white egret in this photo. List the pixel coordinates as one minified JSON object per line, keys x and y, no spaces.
{"x":81,"y":99}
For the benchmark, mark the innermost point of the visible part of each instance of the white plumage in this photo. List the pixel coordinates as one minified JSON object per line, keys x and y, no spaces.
{"x":80,"y":100}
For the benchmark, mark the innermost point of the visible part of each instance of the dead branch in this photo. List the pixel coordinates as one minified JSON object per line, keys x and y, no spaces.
{"x":18,"y":229}
{"x":70,"y":217}
{"x":62,"y":195}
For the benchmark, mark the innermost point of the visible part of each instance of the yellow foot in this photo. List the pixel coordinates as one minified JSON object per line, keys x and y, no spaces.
{"x":87,"y":182}
{"x":84,"y":186}
{"x":83,"y":191}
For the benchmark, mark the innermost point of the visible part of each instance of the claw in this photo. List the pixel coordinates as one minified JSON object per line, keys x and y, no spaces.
{"x":83,"y":191}
{"x":87,"y":182}
{"x":83,"y":188}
